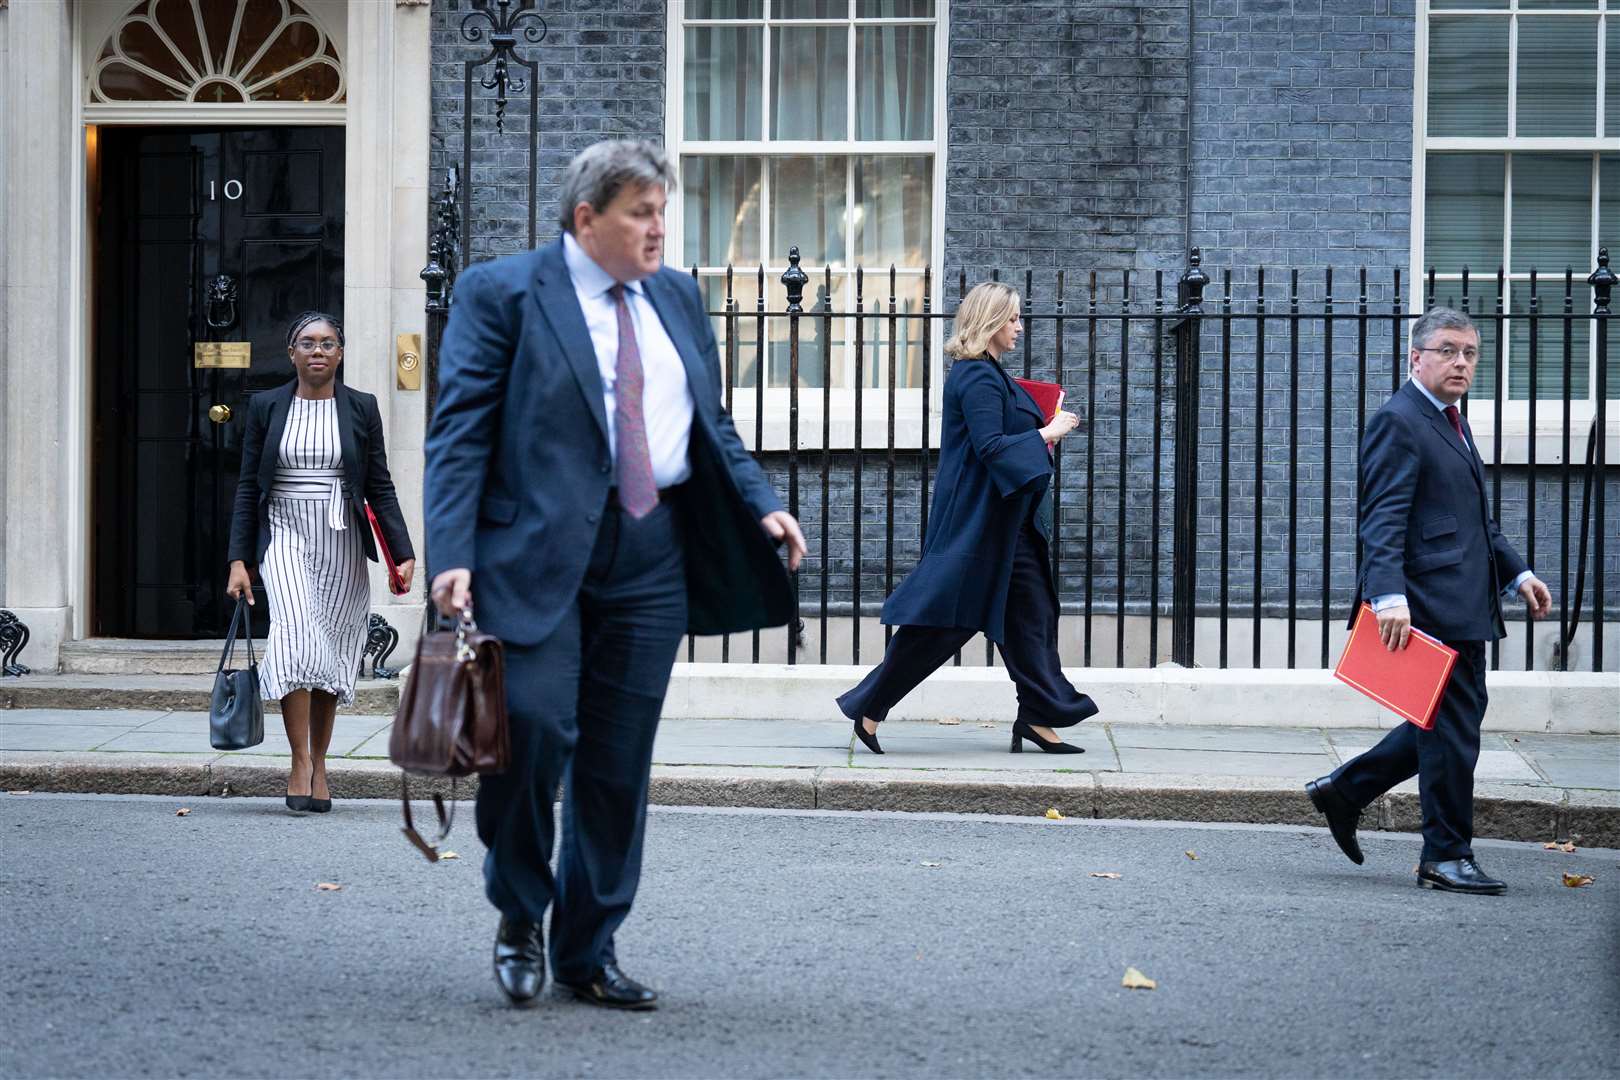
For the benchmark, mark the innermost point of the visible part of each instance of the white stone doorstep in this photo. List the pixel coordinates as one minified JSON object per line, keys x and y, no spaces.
{"x":1563,"y":703}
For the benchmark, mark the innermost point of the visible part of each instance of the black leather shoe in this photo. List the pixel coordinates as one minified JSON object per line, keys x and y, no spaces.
{"x":520,"y":960}
{"x":298,"y":804}
{"x":1022,"y":731}
{"x":1459,"y":875}
{"x":613,"y":989}
{"x":867,"y":740}
{"x":1342,"y":816}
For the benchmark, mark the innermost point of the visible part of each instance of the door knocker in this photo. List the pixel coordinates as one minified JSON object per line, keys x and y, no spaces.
{"x":221,"y":295}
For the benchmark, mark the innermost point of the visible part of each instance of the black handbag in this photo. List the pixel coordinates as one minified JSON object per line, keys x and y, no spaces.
{"x":236,"y":711}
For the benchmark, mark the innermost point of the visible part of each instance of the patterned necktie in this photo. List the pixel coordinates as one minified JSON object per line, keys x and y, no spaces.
{"x":638,"y":492}
{"x":1456,"y":424}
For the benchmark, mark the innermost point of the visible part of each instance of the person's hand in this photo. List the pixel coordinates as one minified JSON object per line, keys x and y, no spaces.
{"x":780,"y":525}
{"x":1395,"y":627}
{"x":1062,"y":423}
{"x":407,"y":570}
{"x":240,"y":583}
{"x":1536,"y":597}
{"x":452,"y":591}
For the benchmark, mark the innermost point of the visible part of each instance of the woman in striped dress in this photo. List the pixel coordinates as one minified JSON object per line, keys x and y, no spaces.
{"x":312,"y":455}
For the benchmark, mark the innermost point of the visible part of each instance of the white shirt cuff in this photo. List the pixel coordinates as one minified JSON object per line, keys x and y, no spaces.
{"x":1388,"y":600}
{"x":1513,"y":590}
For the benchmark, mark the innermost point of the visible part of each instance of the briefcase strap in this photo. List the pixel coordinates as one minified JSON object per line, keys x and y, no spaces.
{"x":431,"y":850}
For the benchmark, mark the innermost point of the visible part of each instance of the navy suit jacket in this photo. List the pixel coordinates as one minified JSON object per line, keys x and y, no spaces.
{"x":518,"y":464}
{"x":993,"y":468}
{"x":1426,"y":525}
{"x":365,"y":471}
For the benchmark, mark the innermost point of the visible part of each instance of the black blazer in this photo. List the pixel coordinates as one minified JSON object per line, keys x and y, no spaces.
{"x":1426,"y":525}
{"x":365,"y":468}
{"x":518,"y":468}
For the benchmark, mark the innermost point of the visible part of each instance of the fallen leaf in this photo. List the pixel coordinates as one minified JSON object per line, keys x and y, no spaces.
{"x":443,"y":855}
{"x":1110,"y":875}
{"x":948,"y":722}
{"x":1191,"y":856}
{"x":1567,"y":846}
{"x":328,"y":886}
{"x":183,"y":811}
{"x":1054,"y":814}
{"x":1575,"y":881}
{"x":933,"y":864}
{"x":986,"y":723}
{"x":19,"y":793}
{"x":1135,"y":980}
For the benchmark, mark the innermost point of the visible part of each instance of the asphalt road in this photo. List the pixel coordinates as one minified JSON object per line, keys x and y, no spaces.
{"x":140,"y":943}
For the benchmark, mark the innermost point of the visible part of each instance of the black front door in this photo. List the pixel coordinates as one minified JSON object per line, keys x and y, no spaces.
{"x":216,"y":235}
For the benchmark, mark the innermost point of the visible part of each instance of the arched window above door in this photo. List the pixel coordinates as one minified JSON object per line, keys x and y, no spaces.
{"x":217,"y":52}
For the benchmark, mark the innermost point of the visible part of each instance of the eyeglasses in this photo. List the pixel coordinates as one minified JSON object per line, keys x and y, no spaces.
{"x":309,"y":345}
{"x":1449,"y":354}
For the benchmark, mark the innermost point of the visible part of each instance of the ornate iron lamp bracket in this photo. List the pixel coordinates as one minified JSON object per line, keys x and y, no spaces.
{"x":504,"y":26}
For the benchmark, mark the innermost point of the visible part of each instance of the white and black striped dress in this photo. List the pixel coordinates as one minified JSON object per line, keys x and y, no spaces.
{"x":315,"y":568}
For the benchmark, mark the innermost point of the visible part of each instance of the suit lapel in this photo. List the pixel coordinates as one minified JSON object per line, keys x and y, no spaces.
{"x":280,"y":400}
{"x":680,"y":334}
{"x":347,"y":405}
{"x":1440,"y":425}
{"x":554,"y":291}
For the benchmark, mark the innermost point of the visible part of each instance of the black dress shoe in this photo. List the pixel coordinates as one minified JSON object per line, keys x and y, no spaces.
{"x":1022,"y":731}
{"x":520,"y":960}
{"x":298,"y":804}
{"x":1342,"y":816}
{"x":320,"y":806}
{"x":613,"y":989}
{"x":868,"y":740}
{"x":1459,"y":875}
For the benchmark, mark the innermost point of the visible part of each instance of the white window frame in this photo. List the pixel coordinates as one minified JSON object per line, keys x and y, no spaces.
{"x":908,"y":409}
{"x":1515,"y":435}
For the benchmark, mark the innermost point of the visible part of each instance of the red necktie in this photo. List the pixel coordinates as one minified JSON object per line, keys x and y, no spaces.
{"x":1456,"y":424}
{"x":638,"y":492}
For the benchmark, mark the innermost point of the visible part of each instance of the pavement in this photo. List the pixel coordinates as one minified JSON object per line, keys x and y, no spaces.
{"x":141,"y":943}
{"x":1528,"y":786}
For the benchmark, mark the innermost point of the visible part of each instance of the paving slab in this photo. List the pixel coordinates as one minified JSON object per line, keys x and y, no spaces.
{"x":1301,"y":767}
{"x":124,"y":718}
{"x":1573,"y":761}
{"x":1250,"y":739}
{"x":56,"y":736}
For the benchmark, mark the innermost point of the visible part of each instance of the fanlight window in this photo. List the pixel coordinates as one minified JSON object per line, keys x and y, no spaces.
{"x":216,"y":51}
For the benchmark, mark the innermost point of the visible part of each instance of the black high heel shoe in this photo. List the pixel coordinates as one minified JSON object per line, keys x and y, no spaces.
{"x":1022,"y":731}
{"x":299,"y":804}
{"x":869,"y":741}
{"x":318,"y":806}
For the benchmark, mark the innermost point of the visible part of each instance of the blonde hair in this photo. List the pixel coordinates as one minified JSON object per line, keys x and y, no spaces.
{"x":986,"y":308}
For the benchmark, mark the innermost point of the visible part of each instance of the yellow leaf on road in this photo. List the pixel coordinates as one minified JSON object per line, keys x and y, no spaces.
{"x":1054,"y":814}
{"x":949,"y":722}
{"x":443,"y":855}
{"x":1109,"y":875}
{"x":183,"y":811}
{"x":1191,"y":856}
{"x":328,"y":886}
{"x":933,"y":864}
{"x":1567,"y":846}
{"x":1135,"y":980}
{"x":1575,"y":881}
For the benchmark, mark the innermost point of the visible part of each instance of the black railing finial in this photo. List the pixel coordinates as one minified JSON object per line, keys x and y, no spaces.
{"x":443,"y":244}
{"x":1192,"y":283}
{"x":1602,"y":281}
{"x":794,"y":279}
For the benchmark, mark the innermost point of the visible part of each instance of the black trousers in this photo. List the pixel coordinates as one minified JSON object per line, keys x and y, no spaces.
{"x":1442,"y":758}
{"x":584,"y":707}
{"x":1045,"y":696}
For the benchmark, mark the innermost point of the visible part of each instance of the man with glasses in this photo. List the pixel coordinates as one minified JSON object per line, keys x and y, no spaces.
{"x":1434,"y":559}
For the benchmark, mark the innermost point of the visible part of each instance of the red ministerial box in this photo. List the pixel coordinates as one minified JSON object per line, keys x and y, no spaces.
{"x":396,"y":582}
{"x":1409,"y":682}
{"x":1048,"y":395}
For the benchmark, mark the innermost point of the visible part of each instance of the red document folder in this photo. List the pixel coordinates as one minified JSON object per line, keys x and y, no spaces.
{"x":1048,"y":395}
{"x":396,"y":583}
{"x":1408,"y":682}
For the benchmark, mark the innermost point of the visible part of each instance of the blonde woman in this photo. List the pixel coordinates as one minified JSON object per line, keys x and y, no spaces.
{"x":986,"y":566}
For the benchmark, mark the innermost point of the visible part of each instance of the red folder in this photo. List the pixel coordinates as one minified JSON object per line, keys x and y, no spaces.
{"x":1048,"y":395}
{"x":396,"y":582}
{"x":1409,"y":682}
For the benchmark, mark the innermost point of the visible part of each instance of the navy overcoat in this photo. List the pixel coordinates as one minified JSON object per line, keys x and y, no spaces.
{"x":993,"y":469}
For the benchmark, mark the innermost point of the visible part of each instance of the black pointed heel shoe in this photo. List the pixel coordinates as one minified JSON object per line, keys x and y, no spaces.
{"x":1022,"y":731}
{"x":299,"y":804}
{"x":869,"y":741}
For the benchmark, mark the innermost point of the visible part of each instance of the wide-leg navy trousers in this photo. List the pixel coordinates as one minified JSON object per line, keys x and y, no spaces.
{"x":584,"y":707}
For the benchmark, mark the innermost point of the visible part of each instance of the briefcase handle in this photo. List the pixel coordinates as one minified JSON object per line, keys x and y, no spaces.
{"x":239,"y":618}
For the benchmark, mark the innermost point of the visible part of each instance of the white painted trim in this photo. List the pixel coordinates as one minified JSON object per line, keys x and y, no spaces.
{"x":256,"y":113}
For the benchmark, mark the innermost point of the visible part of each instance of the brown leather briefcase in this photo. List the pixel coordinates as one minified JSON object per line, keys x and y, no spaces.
{"x":451,"y":719}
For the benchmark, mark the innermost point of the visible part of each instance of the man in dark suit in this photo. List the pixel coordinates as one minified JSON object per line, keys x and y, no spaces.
{"x":585,"y":483}
{"x":1433,"y":558}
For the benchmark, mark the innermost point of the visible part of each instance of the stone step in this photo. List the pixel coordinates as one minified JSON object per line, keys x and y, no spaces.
{"x":172,"y":692}
{"x":133,"y":656}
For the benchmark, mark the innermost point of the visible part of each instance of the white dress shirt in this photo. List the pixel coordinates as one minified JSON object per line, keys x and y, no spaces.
{"x":1390,"y":600}
{"x":666,"y":398}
